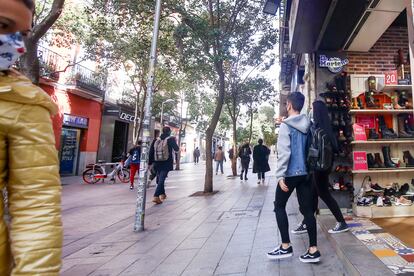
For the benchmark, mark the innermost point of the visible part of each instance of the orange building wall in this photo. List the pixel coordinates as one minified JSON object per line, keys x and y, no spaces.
{"x":75,"y":105}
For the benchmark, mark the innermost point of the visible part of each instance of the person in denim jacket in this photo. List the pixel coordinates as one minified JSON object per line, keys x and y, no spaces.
{"x":292,"y":173}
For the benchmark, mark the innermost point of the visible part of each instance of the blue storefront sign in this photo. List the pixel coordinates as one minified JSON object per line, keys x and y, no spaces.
{"x":75,"y":121}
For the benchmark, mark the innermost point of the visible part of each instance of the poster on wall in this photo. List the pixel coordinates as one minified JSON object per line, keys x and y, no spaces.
{"x":360,"y":160}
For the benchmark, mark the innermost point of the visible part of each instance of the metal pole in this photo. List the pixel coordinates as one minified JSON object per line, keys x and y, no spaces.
{"x":162,"y":114}
{"x":146,"y":134}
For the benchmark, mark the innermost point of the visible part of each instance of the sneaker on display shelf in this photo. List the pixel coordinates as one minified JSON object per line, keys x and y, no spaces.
{"x":300,"y":229}
{"x":402,"y":201}
{"x":280,"y":253}
{"x":377,"y":188}
{"x":340,"y":227}
{"x":380,"y":202}
{"x":336,"y":186}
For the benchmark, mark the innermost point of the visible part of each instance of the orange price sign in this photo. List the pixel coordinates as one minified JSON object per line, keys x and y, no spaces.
{"x":391,"y":77}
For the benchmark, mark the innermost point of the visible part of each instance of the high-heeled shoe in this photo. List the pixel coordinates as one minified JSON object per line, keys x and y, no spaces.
{"x":395,"y":103}
{"x":408,"y":159}
{"x":386,"y":133}
{"x":355,"y":103}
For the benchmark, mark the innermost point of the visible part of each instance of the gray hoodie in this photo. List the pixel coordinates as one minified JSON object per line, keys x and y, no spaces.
{"x":284,"y":149}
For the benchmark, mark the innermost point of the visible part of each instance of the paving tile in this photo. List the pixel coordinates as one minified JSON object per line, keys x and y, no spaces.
{"x":235,"y":264}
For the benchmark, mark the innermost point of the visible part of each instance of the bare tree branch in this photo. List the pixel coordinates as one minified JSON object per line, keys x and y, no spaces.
{"x":40,"y":30}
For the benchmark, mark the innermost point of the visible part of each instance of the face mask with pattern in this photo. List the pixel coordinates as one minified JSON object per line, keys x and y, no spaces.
{"x":11,"y":48}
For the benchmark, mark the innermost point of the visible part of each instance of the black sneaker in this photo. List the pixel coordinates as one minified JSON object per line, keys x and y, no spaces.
{"x":340,"y":227}
{"x":301,"y":229}
{"x":377,"y":188}
{"x":280,"y":253}
{"x":310,"y":258}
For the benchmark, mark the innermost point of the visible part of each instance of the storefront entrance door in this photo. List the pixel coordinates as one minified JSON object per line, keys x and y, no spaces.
{"x":69,"y":151}
{"x":120,"y":140}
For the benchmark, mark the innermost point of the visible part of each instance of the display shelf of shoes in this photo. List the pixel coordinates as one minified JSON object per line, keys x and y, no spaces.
{"x":380,"y":111}
{"x":390,"y":170}
{"x":383,"y":141}
{"x":400,"y":87}
{"x":374,"y":211}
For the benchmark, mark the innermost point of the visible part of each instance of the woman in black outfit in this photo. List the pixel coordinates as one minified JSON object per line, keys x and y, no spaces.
{"x":244,"y":154}
{"x":320,"y":180}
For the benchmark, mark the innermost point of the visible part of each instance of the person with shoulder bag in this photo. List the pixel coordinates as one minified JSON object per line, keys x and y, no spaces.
{"x":162,"y":151}
{"x":322,"y":148}
{"x":244,"y":154}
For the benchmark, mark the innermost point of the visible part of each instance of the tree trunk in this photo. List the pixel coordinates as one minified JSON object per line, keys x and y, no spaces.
{"x":208,"y":182}
{"x":251,"y":126}
{"x":178,"y":159}
{"x":234,"y":159}
{"x":30,"y":62}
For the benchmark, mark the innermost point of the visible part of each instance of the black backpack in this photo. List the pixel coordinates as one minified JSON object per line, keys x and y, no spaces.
{"x":320,"y":152}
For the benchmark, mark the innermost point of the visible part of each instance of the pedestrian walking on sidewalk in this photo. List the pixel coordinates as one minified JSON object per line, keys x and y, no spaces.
{"x":196,"y":155}
{"x":220,"y":158}
{"x":320,"y":179}
{"x":151,"y":169}
{"x":292,"y":174}
{"x":244,"y":154}
{"x":135,"y":160}
{"x":261,"y":161}
{"x":163,"y":150}
{"x":29,"y":164}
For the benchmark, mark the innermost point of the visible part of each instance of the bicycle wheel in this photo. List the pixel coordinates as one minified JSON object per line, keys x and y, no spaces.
{"x":124,"y":175}
{"x":89,"y":175}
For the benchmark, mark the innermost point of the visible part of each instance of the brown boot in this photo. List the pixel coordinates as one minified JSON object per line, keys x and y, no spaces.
{"x":156,"y":200}
{"x":163,"y":197}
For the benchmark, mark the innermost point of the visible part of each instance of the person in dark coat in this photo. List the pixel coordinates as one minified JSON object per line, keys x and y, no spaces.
{"x":244,"y":154}
{"x":163,"y":167}
{"x":261,"y":161}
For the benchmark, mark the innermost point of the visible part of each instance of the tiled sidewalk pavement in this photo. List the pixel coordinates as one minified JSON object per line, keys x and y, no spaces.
{"x":185,"y":235}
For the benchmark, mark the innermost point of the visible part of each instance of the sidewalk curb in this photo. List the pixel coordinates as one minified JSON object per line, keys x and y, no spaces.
{"x":346,"y":263}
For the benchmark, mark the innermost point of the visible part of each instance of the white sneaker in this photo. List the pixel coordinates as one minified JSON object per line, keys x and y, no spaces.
{"x":380,"y":202}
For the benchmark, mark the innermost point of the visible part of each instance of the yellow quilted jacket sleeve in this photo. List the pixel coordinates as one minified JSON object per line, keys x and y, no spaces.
{"x":29,"y":170}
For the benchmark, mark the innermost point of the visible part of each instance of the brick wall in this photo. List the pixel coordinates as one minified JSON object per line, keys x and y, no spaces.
{"x":382,"y":56}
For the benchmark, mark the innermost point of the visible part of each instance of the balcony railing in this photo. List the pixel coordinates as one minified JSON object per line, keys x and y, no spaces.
{"x":49,"y":62}
{"x":88,"y":79}
{"x":54,"y":65}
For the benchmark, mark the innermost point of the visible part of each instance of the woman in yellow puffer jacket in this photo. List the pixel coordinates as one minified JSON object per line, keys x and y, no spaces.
{"x":31,"y":244}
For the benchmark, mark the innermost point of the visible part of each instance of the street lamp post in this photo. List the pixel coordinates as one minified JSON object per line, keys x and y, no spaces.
{"x":146,"y":124}
{"x":162,"y":111}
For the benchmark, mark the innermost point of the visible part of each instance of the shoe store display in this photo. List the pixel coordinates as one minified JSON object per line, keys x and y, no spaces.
{"x":370,"y":100}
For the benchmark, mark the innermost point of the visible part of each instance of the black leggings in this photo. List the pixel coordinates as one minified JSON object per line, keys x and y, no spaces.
{"x":320,"y":184}
{"x":245,"y":166}
{"x":261,"y":175}
{"x":304,"y":193}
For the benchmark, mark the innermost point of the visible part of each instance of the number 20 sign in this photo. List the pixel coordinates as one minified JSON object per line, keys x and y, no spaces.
{"x":391,"y":77}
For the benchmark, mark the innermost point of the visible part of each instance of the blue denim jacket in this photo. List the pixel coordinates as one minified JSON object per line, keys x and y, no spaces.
{"x":297,"y":161}
{"x":291,"y":147}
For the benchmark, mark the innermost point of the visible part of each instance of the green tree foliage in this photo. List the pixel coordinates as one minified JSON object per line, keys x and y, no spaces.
{"x":209,"y":38}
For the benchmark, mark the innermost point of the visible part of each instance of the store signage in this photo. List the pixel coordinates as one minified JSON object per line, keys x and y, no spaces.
{"x":126,"y":116}
{"x":75,"y":121}
{"x":360,"y":160}
{"x":334,"y":64}
{"x":368,"y":121}
{"x":359,"y":132}
{"x":391,"y":77}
